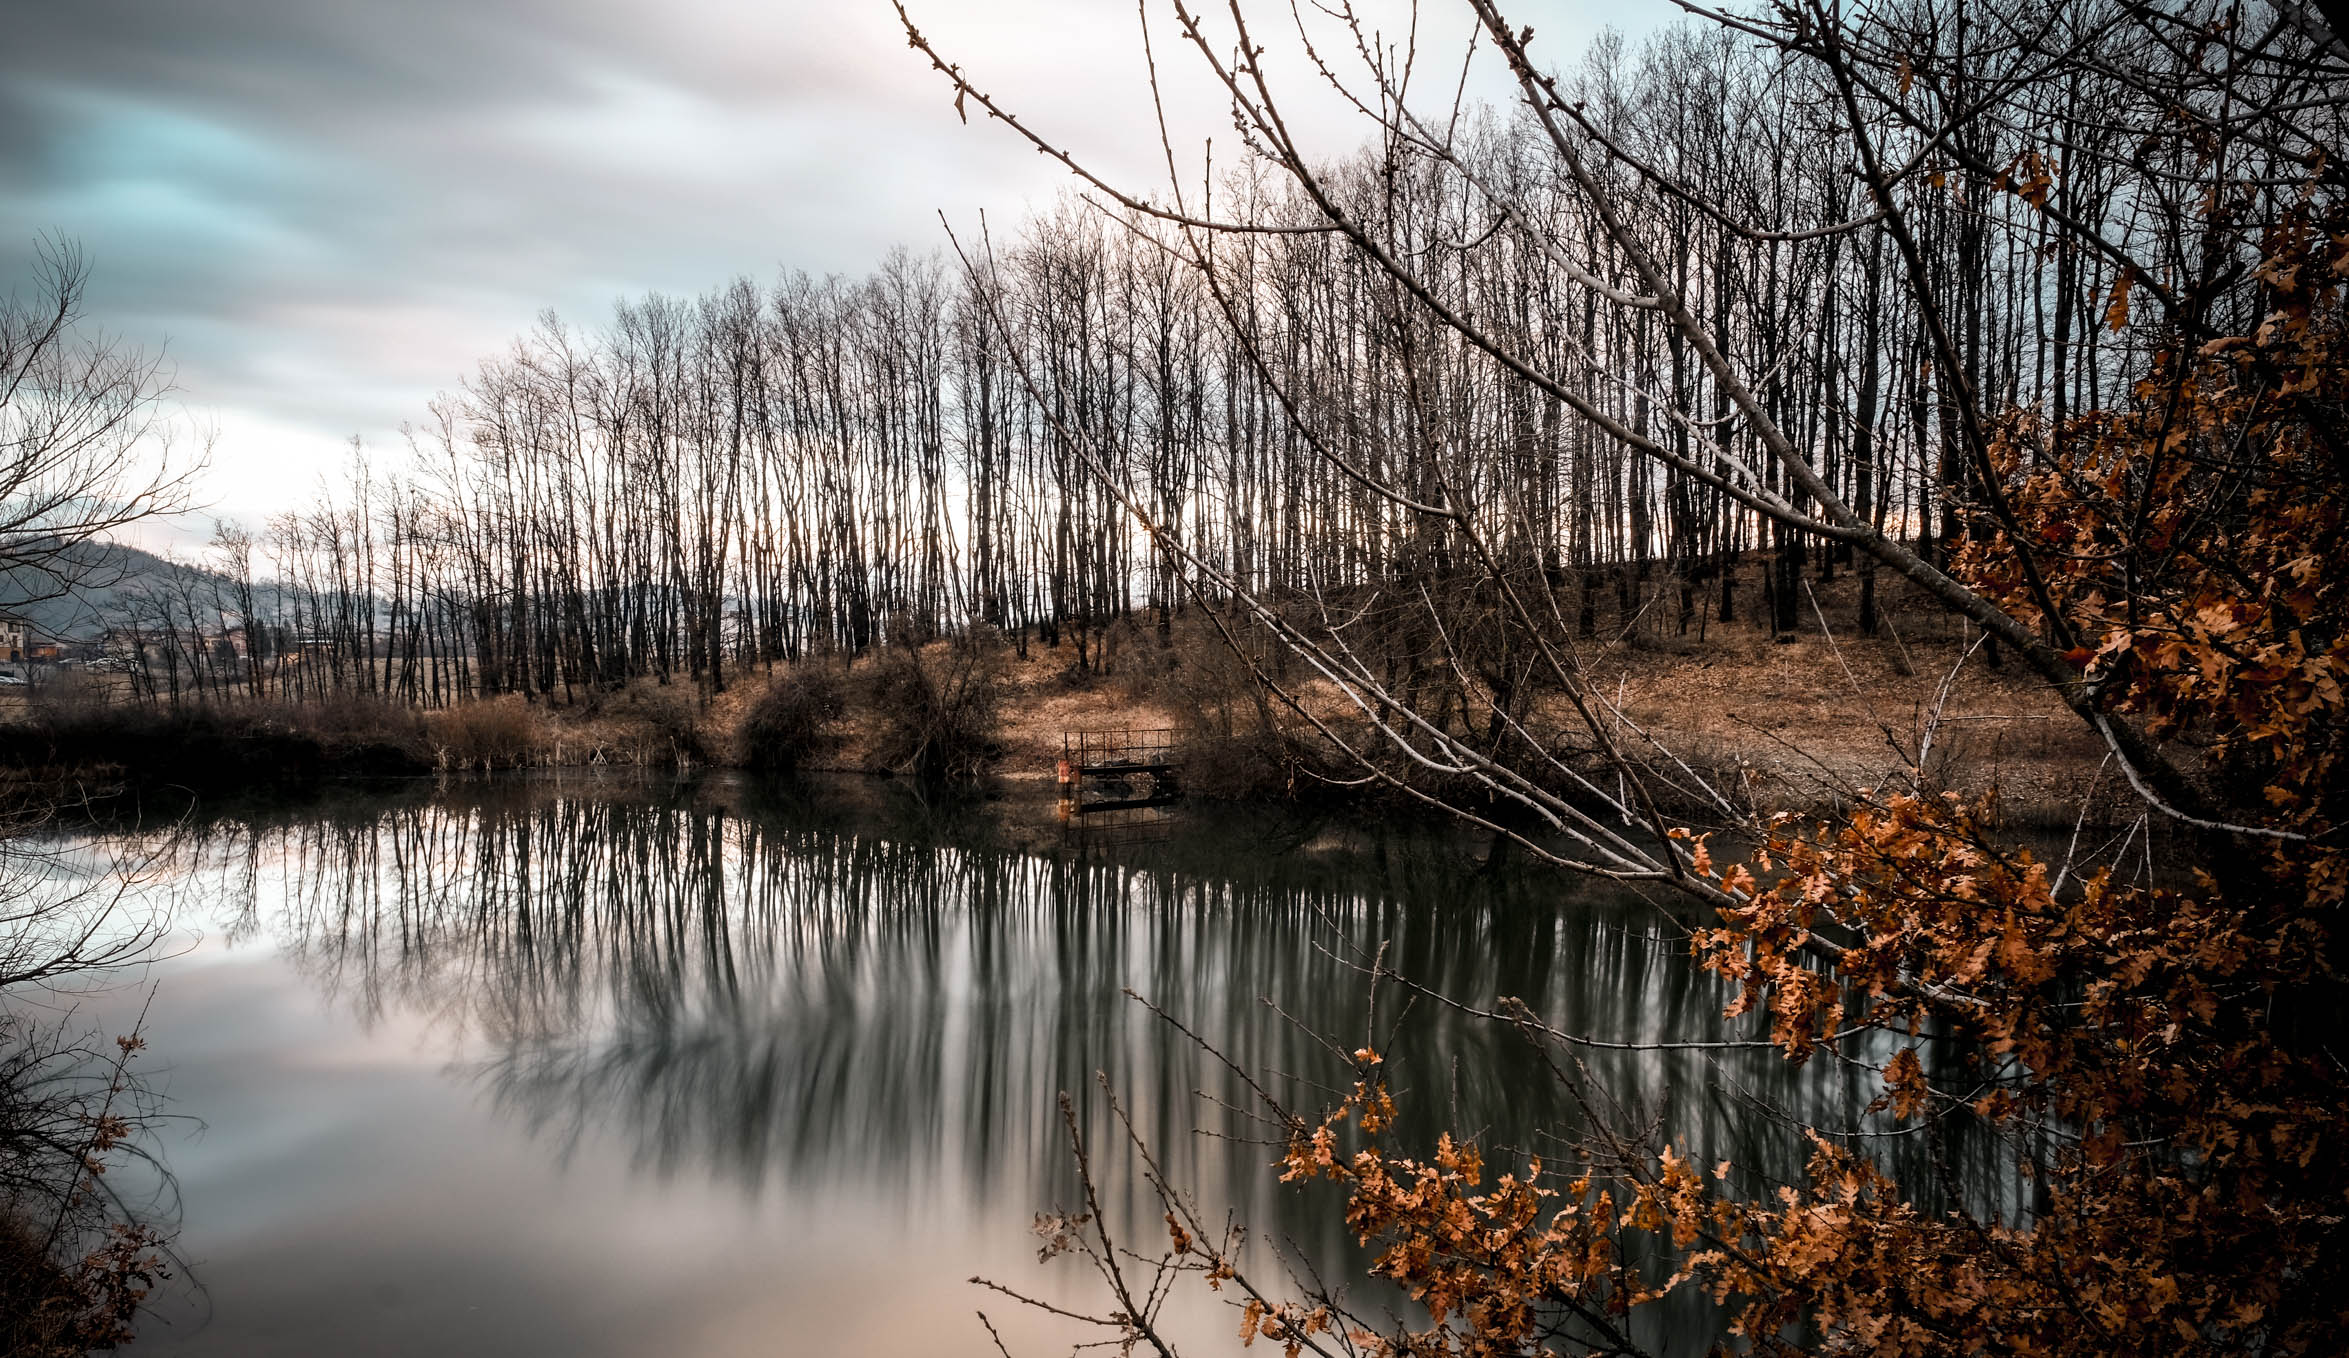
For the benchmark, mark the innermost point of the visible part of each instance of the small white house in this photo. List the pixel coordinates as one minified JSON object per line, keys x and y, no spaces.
{"x":15,"y":647}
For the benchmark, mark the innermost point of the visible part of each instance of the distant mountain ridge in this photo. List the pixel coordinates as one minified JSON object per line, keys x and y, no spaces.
{"x":110,"y":568}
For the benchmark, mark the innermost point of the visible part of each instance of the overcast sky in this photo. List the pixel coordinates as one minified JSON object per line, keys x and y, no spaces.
{"x":328,"y":210}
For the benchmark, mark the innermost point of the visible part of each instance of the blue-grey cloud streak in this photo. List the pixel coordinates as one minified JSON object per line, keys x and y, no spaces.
{"x":331,"y":208}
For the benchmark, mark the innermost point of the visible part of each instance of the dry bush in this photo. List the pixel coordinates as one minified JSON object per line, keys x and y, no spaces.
{"x":1233,"y":768}
{"x":72,"y":692}
{"x":1664,"y":643}
{"x":238,"y":743}
{"x":792,"y":721}
{"x":38,"y":1300}
{"x":52,"y":1307}
{"x":1229,"y":742}
{"x":1070,"y":677}
{"x":78,"y":1258}
{"x":1149,"y":671}
{"x":656,"y":724}
{"x":493,"y":733}
{"x":344,"y":721}
{"x":936,"y":712}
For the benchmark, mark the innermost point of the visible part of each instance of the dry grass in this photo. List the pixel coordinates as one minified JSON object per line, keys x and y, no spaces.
{"x":1802,"y":722}
{"x":1787,"y":724}
{"x":494,"y":733}
{"x":1791,"y":724}
{"x":1042,"y":706}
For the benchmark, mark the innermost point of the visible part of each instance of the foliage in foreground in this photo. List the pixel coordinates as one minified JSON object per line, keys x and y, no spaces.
{"x":2157,"y":1054}
{"x":2153,"y":1054}
{"x":77,"y":1262}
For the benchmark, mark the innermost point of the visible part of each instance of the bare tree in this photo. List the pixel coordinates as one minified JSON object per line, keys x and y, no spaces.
{"x":2160,"y":179}
{"x":88,"y":444}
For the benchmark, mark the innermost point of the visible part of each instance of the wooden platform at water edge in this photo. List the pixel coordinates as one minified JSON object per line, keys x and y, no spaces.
{"x":1117,"y":770}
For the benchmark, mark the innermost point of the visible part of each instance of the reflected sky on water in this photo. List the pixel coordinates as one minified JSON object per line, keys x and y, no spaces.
{"x":616,"y":1067}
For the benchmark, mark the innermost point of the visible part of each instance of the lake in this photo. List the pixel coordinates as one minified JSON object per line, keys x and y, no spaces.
{"x":637,"y":1066}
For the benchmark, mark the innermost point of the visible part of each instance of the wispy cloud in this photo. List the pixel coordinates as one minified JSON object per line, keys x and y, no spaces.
{"x":331,"y":208}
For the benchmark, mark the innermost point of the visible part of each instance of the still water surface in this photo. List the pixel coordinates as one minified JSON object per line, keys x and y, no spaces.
{"x":552,"y":1066}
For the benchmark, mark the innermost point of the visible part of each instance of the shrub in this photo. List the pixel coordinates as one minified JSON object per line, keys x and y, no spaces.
{"x":791,"y":722}
{"x":232,"y":744}
{"x":493,"y":733}
{"x":662,"y":722}
{"x":1231,"y":742}
{"x":357,"y":733}
{"x":936,"y":713}
{"x":77,"y":1263}
{"x":1233,"y":767}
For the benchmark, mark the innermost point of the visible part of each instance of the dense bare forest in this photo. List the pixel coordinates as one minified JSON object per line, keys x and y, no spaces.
{"x":2028,"y":317}
{"x":2038,"y":306}
{"x":769,"y":470}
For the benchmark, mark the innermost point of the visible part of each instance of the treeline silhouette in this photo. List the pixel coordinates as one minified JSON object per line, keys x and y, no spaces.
{"x":818,"y":465}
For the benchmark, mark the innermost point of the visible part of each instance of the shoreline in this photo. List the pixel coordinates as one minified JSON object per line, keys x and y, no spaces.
{"x":1774,"y":724}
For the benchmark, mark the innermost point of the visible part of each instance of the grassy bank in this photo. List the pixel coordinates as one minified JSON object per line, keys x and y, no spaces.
{"x":1772,"y":721}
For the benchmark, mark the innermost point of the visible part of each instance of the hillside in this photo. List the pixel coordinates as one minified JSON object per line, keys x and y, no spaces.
{"x":106,"y":571}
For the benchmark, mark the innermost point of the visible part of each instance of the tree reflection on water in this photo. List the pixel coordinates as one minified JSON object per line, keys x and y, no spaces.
{"x":786,"y":987}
